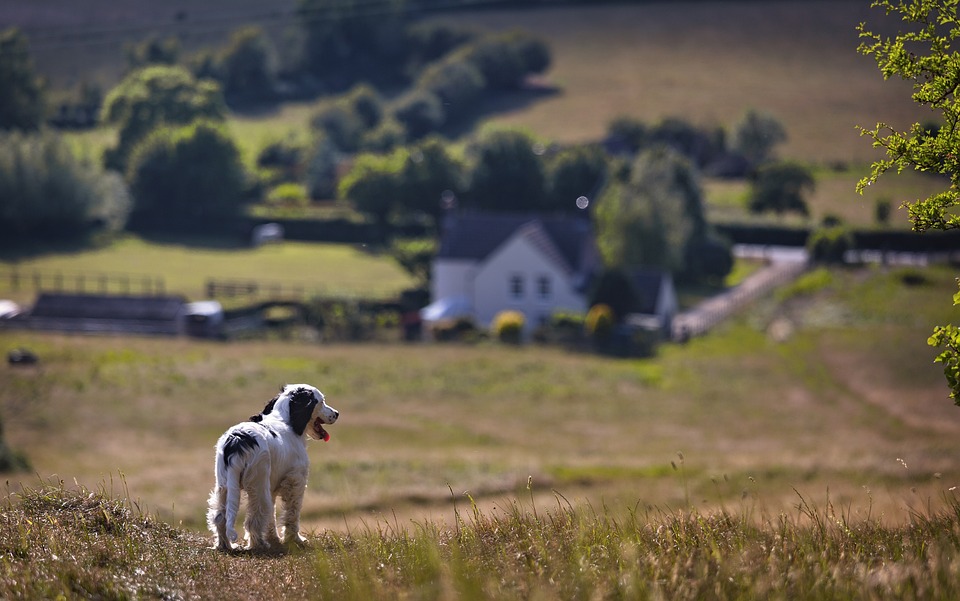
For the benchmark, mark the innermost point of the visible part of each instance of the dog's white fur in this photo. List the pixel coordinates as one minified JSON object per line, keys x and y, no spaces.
{"x":266,"y":457}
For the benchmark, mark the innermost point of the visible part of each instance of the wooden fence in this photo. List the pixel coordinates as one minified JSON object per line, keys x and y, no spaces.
{"x":37,"y":281}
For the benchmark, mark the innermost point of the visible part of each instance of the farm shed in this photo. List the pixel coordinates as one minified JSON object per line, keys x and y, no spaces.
{"x":94,"y":313}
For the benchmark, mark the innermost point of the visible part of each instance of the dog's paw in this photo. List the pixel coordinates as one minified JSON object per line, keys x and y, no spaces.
{"x":296,"y":540}
{"x":225,"y":546}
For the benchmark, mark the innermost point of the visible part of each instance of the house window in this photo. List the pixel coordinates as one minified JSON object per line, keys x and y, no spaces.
{"x":544,"y":287}
{"x":516,"y":286}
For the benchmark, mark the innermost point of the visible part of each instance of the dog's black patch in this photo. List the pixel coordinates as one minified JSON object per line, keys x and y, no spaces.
{"x":273,"y":433}
{"x":237,"y":442}
{"x":302,"y":403}
{"x":259,"y":417}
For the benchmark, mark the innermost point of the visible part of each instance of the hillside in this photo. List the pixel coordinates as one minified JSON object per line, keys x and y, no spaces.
{"x":707,"y":62}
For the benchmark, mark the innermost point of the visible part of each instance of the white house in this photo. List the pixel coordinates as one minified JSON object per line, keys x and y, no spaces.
{"x":488,"y":263}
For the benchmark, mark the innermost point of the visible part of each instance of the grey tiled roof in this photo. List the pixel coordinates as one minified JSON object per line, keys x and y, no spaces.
{"x":473,"y":236}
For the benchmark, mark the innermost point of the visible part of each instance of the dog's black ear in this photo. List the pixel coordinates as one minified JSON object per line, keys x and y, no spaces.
{"x":302,"y":403}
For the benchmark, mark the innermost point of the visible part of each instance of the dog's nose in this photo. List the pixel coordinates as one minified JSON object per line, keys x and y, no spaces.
{"x":336,"y":414}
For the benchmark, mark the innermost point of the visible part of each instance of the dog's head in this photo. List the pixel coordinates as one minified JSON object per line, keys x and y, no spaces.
{"x":300,"y":406}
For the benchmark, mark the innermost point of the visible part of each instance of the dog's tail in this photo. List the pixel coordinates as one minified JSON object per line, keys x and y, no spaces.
{"x":224,"y":503}
{"x":232,"y":500}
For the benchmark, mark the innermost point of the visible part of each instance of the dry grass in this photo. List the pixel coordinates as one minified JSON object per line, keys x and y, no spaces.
{"x":63,"y":544}
{"x":835,"y":407}
{"x":710,"y":62}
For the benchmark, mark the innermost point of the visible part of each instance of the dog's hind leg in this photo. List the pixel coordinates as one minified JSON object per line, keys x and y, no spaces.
{"x":259,"y":512}
{"x":217,"y":519}
{"x":291,"y":494}
{"x":271,"y":531}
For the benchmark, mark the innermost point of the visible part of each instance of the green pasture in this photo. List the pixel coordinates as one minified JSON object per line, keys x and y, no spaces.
{"x":185,"y":265}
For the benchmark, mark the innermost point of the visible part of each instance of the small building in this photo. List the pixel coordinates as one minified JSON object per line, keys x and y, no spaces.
{"x":204,"y":319}
{"x":99,"y":313}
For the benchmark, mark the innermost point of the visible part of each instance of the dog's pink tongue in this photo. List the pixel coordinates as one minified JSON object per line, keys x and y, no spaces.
{"x":326,"y":436}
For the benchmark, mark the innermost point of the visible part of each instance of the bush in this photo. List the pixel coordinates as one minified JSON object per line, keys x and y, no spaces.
{"x":599,"y":322}
{"x":462,"y":329}
{"x":190,"y":176}
{"x":829,"y":244}
{"x":288,"y":195}
{"x":563,"y":328}
{"x":420,"y":112}
{"x":45,"y":189}
{"x":508,"y":326}
{"x":457,"y":83}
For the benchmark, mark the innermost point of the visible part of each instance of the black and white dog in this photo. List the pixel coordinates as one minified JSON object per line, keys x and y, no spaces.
{"x":266,"y":457}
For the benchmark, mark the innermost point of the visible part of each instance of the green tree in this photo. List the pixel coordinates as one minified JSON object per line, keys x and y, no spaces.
{"x":371,"y":185}
{"x":756,"y":135}
{"x":322,"y":164}
{"x":415,"y":256}
{"x":46,"y":190}
{"x":420,"y":112}
{"x":155,"y":96}
{"x":780,"y":188}
{"x":429,"y":171}
{"x":574,"y":172}
{"x":153,"y":51}
{"x":22,"y":93}
{"x":923,"y":54}
{"x":508,"y":171}
{"x":247,"y":67}
{"x":656,"y":218}
{"x":346,"y":40}
{"x":186,"y":178}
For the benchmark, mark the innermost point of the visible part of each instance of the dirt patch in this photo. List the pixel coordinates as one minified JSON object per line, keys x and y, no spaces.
{"x":923,"y":406}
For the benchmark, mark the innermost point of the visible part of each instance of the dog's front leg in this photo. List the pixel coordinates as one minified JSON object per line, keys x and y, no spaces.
{"x":291,"y":491}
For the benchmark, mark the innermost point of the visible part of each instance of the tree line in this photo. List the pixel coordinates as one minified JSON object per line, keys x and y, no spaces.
{"x":386,"y":156}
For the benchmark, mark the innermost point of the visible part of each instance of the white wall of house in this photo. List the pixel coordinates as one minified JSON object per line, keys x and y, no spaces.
{"x":452,"y":278}
{"x":518,"y":276}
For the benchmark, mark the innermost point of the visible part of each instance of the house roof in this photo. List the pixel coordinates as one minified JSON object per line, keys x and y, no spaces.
{"x":116,"y":307}
{"x":473,"y":236}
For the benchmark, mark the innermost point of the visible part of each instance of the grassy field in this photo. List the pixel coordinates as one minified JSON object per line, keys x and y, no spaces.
{"x":184,"y":265}
{"x":851,"y":403}
{"x":735,"y":456}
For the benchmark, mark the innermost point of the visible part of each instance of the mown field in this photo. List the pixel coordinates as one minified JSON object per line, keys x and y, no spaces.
{"x":184,"y":265}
